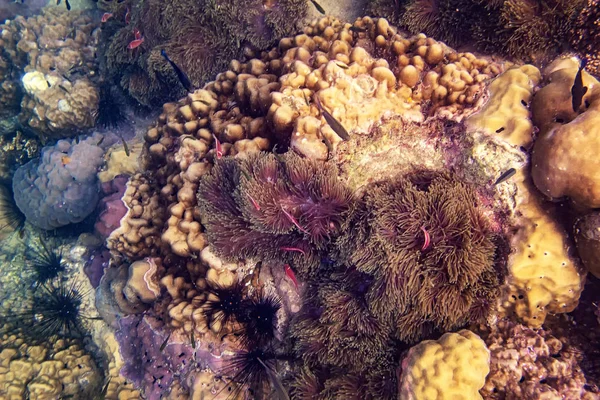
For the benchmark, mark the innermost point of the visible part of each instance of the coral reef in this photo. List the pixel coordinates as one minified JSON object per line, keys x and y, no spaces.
{"x":61,"y":187}
{"x":426,"y":366}
{"x":200,"y":37}
{"x":55,"y":52}
{"x":341,"y":253}
{"x":527,"y":363}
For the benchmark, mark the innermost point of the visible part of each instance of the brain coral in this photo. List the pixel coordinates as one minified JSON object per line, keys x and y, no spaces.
{"x":61,"y":187}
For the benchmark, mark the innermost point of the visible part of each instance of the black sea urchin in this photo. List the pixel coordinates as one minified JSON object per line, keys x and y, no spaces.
{"x":111,"y":108}
{"x":260,"y":315}
{"x":46,"y":264}
{"x":53,"y":310}
{"x":12,"y":220}
{"x":256,"y":370}
{"x":225,"y":304}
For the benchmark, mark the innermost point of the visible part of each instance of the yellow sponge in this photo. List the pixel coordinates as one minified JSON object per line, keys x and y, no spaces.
{"x":452,"y":367}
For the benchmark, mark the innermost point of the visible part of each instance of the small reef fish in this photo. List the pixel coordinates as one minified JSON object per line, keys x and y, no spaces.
{"x":125,"y":147}
{"x":505,"y":176}
{"x":127,"y":16}
{"x":218,"y":148}
{"x":68,"y":5}
{"x":164,"y":344}
{"x":284,"y":248}
{"x":137,"y":34}
{"x":289,"y":272}
{"x":318,"y":7}
{"x":333,"y":123}
{"x":183,"y":78}
{"x":134,"y":44}
{"x":293,"y":220}
{"x":578,"y":90}
{"x":106,"y":17}
{"x":254,"y":202}
{"x":65,"y":160}
{"x":426,"y":239}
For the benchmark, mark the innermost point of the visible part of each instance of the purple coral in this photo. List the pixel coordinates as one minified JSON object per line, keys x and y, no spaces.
{"x":61,"y":187}
{"x":152,"y":367}
{"x":113,"y":208}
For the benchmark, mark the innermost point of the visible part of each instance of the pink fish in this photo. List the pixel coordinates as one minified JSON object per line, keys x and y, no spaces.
{"x":134,"y":44}
{"x":290,"y":274}
{"x":106,"y":17}
{"x":293,"y":249}
{"x":294,"y":221}
{"x":426,"y":239}
{"x":127,"y":16}
{"x":137,"y":34}
{"x":218,"y":148}
{"x":254,"y":203}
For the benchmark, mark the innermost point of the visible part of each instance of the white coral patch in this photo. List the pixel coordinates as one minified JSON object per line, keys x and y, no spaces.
{"x":34,"y":82}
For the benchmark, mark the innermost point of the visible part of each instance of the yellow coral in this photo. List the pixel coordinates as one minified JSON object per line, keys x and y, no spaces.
{"x":565,"y":156}
{"x":542,"y":276}
{"x":56,"y":369}
{"x":452,"y":367}
{"x":505,"y":114}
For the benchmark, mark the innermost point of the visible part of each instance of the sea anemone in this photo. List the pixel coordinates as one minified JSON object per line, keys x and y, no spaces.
{"x":111,"y":108}
{"x":46,"y":264}
{"x":273,"y":208}
{"x":12,"y":220}
{"x":435,"y":262}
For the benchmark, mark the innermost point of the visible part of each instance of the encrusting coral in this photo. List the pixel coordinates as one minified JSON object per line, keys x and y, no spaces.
{"x":527,"y":363}
{"x":55,"y":51}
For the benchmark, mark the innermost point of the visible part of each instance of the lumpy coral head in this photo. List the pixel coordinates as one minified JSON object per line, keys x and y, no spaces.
{"x":61,"y":187}
{"x":564,"y":159}
{"x":430,"y":249}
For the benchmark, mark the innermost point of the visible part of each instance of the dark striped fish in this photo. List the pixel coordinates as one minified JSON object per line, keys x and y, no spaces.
{"x":333,"y":123}
{"x":505,"y":176}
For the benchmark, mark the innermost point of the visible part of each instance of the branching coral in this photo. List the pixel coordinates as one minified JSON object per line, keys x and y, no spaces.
{"x":272,"y":207}
{"x":431,"y":252}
